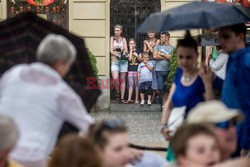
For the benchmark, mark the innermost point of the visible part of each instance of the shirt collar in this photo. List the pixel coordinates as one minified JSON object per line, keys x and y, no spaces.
{"x":46,"y":69}
{"x":240,"y":52}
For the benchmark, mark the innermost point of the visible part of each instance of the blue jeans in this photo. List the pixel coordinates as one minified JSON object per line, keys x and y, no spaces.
{"x":161,"y":76}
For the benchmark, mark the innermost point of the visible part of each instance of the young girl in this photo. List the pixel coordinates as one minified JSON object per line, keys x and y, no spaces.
{"x":145,"y":78}
{"x":195,"y":145}
{"x":134,"y":60}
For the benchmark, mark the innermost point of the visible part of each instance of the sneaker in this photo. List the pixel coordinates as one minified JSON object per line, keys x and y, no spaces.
{"x":149,"y":102}
{"x":142,"y":102}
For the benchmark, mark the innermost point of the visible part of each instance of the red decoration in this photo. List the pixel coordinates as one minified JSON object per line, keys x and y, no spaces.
{"x":45,"y":2}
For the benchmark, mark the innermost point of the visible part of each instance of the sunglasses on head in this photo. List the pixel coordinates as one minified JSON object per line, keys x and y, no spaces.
{"x":226,"y":124}
{"x":113,"y":123}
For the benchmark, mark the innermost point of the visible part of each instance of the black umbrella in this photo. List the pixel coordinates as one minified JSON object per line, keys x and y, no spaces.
{"x":195,"y":15}
{"x":19,"y":38}
{"x":208,"y":39}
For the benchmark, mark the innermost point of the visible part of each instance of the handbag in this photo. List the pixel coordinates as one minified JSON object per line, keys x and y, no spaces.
{"x":176,"y":118}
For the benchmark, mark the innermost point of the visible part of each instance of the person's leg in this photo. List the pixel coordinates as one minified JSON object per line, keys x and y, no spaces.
{"x":115,"y":76}
{"x":123,"y":84}
{"x":123,"y":73}
{"x":149,"y":91}
{"x":130,"y":90}
{"x":136,"y":89}
{"x":142,"y":91}
{"x":161,"y":75}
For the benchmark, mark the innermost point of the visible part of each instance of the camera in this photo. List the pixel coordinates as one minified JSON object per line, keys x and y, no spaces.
{"x":118,"y":49}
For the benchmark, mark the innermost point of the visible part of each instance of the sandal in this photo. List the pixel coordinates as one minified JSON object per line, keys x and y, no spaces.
{"x":128,"y":102}
{"x":117,"y":96}
{"x":137,"y":102}
{"x":122,"y":101}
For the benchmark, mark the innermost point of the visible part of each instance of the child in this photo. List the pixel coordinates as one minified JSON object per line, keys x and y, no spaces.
{"x":134,"y":60}
{"x":145,"y":78}
{"x":195,"y":145}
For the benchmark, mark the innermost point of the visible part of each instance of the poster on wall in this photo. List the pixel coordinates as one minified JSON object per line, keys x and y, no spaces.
{"x":242,"y":2}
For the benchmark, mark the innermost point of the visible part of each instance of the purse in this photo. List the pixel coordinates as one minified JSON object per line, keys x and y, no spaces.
{"x":176,"y":118}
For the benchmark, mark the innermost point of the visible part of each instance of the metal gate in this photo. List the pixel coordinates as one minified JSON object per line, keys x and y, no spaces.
{"x":130,"y":14}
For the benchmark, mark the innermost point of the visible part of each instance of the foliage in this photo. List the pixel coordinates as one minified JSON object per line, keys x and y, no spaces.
{"x":173,"y":68}
{"x":93,"y":62}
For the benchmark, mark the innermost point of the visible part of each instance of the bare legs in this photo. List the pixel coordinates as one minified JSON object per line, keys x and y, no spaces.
{"x":115,"y":75}
{"x":123,"y":84}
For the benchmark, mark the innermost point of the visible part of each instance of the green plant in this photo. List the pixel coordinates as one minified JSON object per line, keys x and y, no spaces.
{"x":173,"y":68}
{"x":93,"y":62}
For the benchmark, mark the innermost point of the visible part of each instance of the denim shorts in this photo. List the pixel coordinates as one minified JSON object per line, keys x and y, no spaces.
{"x":145,"y":87}
{"x":161,"y":77}
{"x":117,"y":66}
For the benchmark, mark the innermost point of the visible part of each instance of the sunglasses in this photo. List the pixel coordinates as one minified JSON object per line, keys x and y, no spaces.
{"x":226,"y":124}
{"x":113,"y":123}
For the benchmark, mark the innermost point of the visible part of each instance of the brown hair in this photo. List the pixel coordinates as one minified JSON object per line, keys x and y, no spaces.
{"x":118,"y":26}
{"x":188,"y":41}
{"x":99,"y":132}
{"x":184,"y":133}
{"x":144,"y":54}
{"x":75,"y":151}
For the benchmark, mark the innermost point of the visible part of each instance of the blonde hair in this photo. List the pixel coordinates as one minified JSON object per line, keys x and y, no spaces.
{"x":118,"y":26}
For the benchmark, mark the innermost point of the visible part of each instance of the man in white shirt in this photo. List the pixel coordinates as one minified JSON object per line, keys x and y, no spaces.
{"x":39,"y":100}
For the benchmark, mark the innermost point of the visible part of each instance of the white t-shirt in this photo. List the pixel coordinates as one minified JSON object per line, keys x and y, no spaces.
{"x":39,"y":101}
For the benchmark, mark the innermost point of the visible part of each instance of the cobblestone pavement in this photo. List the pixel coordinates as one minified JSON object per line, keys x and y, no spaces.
{"x":143,"y":122}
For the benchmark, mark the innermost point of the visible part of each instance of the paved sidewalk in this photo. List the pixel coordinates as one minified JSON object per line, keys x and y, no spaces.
{"x":143,"y":122}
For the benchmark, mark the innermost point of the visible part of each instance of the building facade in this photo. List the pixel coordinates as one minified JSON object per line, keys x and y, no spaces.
{"x":91,"y":20}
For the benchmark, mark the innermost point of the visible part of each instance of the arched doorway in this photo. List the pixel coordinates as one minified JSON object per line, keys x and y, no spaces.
{"x":130,"y":14}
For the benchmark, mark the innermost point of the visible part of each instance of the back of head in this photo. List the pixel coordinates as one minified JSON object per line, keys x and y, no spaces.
{"x":239,"y":29}
{"x":55,"y":48}
{"x":188,"y":41}
{"x":75,"y":151}
{"x":8,"y":132}
{"x":100,"y":131}
{"x":185,"y":133}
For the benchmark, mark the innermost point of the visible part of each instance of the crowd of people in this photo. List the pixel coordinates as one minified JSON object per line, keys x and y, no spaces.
{"x":35,"y":101}
{"x":146,"y":71}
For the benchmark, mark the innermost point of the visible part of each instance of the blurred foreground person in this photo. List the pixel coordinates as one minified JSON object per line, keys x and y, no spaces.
{"x":39,"y":100}
{"x":223,"y":120}
{"x":75,"y":151}
{"x":111,"y":139}
{"x":9,"y":136}
{"x":195,"y":145}
{"x":236,"y":87}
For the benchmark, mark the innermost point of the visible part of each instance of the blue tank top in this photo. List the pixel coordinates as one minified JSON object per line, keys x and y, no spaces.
{"x":187,"y":96}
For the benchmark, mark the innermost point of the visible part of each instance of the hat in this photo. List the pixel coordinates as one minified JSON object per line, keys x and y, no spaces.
{"x":213,"y":111}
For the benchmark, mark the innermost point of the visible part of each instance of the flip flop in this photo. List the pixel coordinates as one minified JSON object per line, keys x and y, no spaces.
{"x":128,"y":102}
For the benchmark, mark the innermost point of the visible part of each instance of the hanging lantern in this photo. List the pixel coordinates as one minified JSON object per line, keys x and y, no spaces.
{"x":40,"y":2}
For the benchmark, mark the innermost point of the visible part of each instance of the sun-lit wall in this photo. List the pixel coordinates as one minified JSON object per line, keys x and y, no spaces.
{"x":90,"y":19}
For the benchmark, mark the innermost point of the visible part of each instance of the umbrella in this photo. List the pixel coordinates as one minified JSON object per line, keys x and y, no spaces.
{"x":208,"y":39}
{"x":19,"y":38}
{"x":195,"y":15}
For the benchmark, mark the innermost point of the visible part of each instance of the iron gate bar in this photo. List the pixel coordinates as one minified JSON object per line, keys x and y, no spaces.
{"x":130,"y":14}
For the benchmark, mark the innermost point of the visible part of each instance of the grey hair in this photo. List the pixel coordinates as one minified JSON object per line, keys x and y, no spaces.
{"x":55,"y":48}
{"x":9,"y":133}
